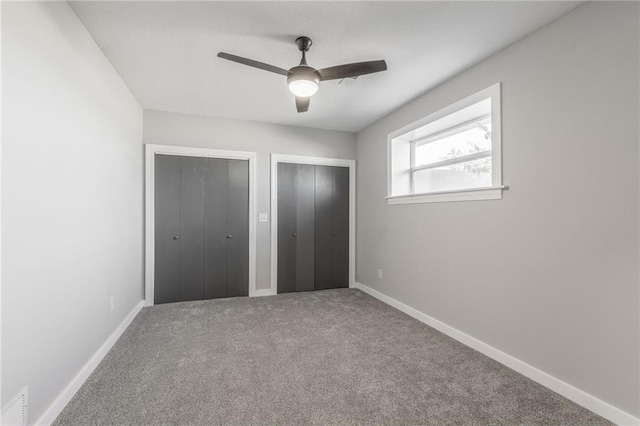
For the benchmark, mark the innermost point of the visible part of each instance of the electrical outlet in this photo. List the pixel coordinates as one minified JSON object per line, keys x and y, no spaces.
{"x":112,"y":303}
{"x":263,"y":217}
{"x":380,"y":274}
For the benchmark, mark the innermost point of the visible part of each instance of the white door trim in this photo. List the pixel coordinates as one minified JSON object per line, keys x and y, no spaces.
{"x":150,"y":152}
{"x":316,"y":161}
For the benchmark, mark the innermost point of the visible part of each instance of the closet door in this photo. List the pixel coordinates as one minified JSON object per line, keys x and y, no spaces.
{"x":167,"y":228}
{"x":287,"y":212}
{"x":296,"y":232}
{"x":332,"y":227}
{"x":313,"y":227}
{"x":179,"y":223}
{"x":305,"y":228}
{"x":201,"y":228}
{"x":191,"y":228}
{"x":226,"y":189}
{"x":237,"y":228}
{"x":340,"y":225}
{"x":324,"y":228}
{"x":215,"y":266}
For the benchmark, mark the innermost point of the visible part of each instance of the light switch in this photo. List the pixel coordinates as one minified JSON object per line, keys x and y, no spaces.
{"x":263,"y":217}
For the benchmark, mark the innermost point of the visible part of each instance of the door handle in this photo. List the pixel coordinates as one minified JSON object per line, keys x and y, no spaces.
{"x":229,"y":236}
{"x":177,"y":237}
{"x":294,"y":235}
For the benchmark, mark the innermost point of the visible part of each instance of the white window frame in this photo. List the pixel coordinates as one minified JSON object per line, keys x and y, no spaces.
{"x":493,"y":192}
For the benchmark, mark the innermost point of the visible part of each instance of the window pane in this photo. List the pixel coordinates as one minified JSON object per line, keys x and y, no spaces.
{"x":471,"y":141}
{"x":471,"y":174}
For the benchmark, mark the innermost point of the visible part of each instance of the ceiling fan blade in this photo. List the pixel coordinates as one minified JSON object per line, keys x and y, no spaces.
{"x":352,"y":70}
{"x":252,"y":63}
{"x":302,"y":104}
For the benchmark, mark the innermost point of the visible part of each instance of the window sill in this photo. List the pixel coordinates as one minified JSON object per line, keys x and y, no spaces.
{"x":469,"y":194}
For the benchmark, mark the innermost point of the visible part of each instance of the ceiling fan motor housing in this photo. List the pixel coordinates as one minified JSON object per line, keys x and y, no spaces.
{"x":303,"y":73}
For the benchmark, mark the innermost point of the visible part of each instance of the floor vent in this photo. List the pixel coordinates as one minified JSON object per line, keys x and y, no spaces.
{"x":15,"y":412}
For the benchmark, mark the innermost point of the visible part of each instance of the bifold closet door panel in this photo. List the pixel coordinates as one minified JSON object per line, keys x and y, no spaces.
{"x":287,"y":205}
{"x":340,"y":225}
{"x":237,"y":228}
{"x":332,"y":227}
{"x":192,"y":228}
{"x":323,"y":227}
{"x":215,"y":232}
{"x":296,"y":231}
{"x":305,"y":227}
{"x":167,"y":228}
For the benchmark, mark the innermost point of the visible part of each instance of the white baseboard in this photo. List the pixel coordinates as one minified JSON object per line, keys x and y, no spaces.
{"x":76,"y":383}
{"x":263,"y":292}
{"x":588,"y":401}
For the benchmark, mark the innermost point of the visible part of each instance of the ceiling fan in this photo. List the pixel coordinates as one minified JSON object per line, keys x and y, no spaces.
{"x":303,"y":80}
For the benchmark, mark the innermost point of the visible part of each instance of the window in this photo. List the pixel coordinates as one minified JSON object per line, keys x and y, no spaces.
{"x":450,"y":155}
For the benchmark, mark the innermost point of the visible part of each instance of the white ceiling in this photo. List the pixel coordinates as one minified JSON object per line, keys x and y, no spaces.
{"x":166,"y":52}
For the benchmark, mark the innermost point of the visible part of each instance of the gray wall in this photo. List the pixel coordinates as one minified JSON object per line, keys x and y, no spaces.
{"x":72,"y":200}
{"x":219,"y":133}
{"x":548,"y":274}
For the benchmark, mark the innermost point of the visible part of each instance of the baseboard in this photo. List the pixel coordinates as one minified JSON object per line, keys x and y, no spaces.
{"x":263,"y":292}
{"x":588,"y":401}
{"x":76,"y":383}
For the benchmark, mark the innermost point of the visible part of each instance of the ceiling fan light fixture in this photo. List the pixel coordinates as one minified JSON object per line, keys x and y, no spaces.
{"x":303,"y":81}
{"x":303,"y":88}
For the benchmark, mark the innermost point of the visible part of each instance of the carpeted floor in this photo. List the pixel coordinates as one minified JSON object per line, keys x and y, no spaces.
{"x":326,"y":357}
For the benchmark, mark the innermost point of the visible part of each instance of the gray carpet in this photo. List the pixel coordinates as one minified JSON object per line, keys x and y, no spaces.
{"x":326,"y":357}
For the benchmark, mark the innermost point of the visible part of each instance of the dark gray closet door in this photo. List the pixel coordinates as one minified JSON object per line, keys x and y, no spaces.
{"x":296,"y":233}
{"x":215,"y":266}
{"x":313,"y":227}
{"x":287,"y":206}
{"x":305,"y":228}
{"x":324,"y":228}
{"x":226,"y":228}
{"x":332,"y":227}
{"x":191,"y":228}
{"x":201,"y":228}
{"x":237,"y":228}
{"x":179,"y":228}
{"x":167,"y":228}
{"x":340,"y":223}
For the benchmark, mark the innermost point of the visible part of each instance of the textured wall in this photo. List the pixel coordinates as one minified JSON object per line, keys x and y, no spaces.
{"x":548,"y":274}
{"x":72,"y":200}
